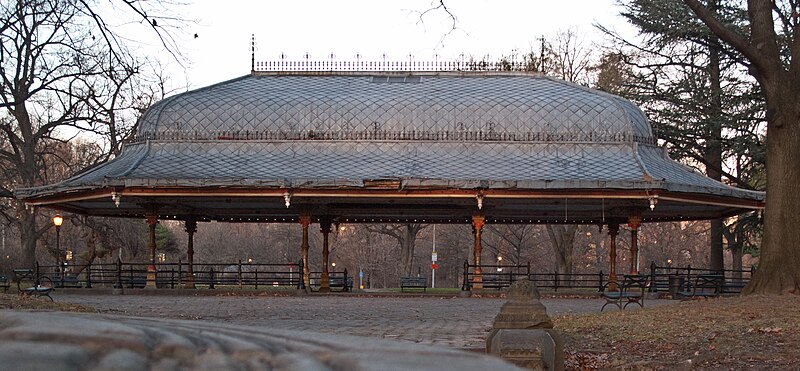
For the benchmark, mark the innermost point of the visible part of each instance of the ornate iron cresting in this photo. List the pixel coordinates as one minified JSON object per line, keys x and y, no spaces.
{"x":384,"y":135}
{"x":410,"y":65}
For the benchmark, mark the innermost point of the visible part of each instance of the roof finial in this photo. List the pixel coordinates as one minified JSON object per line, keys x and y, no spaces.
{"x":253,"y":53}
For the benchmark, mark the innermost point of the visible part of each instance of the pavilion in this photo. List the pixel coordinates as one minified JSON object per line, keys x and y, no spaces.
{"x":390,"y":143}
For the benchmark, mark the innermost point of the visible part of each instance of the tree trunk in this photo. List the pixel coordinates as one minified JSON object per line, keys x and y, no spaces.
{"x":562,"y":238}
{"x":407,"y":245}
{"x":713,"y":150}
{"x":737,"y":251}
{"x":28,"y":235}
{"x":779,"y":268}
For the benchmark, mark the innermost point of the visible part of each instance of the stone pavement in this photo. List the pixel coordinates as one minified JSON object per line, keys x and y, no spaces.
{"x":51,"y":341}
{"x":453,"y":322}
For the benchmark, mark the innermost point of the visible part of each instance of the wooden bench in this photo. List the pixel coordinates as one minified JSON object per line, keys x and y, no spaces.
{"x":702,"y":286}
{"x":38,"y":291}
{"x":413,"y":283}
{"x":4,"y":284}
{"x":630,"y":290}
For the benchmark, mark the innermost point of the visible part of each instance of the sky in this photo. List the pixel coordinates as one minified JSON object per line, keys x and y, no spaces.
{"x":372,"y":28}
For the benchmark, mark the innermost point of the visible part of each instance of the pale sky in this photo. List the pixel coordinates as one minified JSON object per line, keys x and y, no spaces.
{"x":374,"y":27}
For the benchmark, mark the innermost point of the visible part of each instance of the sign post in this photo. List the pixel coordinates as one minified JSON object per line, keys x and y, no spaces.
{"x":433,"y":260}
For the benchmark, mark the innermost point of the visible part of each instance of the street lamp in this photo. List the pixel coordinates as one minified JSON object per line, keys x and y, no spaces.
{"x":499,"y":262}
{"x":334,"y":266}
{"x":57,"y":221}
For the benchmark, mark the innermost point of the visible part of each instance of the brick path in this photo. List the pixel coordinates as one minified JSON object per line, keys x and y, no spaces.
{"x":449,"y":322}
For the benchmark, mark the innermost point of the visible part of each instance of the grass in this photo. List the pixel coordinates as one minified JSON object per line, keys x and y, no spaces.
{"x":756,"y":332}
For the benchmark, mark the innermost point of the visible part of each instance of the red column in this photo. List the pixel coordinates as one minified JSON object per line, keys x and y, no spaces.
{"x":191,"y":228}
{"x":305,"y":221}
{"x":634,"y":221}
{"x":325,"y":228}
{"x":478,"y":221}
{"x":613,"y":230}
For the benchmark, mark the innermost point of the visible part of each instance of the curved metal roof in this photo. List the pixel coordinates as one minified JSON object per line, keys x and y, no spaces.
{"x":460,"y":106}
{"x":363,"y":147}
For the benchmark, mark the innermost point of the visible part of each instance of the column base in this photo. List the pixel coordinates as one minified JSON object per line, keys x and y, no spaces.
{"x":612,"y":283}
{"x":477,"y":284}
{"x":151,"y":277}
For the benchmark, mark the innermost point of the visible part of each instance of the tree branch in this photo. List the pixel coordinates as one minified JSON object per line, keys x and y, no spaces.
{"x":729,"y":36}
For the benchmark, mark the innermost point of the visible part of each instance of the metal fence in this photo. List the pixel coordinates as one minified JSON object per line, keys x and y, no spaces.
{"x":502,"y":276}
{"x":167,"y":275}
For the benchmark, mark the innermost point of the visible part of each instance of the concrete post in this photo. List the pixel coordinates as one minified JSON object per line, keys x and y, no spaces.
{"x":523,"y":333}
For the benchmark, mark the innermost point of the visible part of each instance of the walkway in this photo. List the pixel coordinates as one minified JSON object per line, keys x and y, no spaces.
{"x":451,"y":322}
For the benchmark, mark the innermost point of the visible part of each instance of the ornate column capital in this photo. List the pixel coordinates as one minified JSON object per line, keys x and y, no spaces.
{"x":478,"y":221}
{"x":305,"y":220}
{"x":325,"y":224}
{"x":190,"y":225}
{"x":634,"y":221}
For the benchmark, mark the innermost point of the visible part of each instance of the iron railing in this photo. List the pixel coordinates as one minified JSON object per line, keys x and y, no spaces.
{"x":167,"y":275}
{"x":659,"y":277}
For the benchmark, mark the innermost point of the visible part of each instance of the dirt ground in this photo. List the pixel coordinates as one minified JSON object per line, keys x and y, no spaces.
{"x":750,"y":332}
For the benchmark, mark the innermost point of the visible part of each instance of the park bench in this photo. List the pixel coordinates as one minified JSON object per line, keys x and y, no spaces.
{"x":24,"y":277}
{"x":339,"y":282}
{"x":38,"y":291}
{"x":67,"y":281}
{"x":702,"y":286}
{"x":630,"y":290}
{"x":4,"y":284}
{"x":413,"y":283}
{"x":135,"y":282}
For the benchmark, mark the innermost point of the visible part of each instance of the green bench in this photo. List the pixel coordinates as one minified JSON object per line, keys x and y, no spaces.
{"x":629,"y":291}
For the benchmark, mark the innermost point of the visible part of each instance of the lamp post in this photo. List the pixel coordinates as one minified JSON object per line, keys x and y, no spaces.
{"x":500,"y":263}
{"x":57,"y":221}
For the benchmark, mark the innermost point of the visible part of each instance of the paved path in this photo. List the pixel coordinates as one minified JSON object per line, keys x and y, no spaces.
{"x":80,"y":341}
{"x":451,"y":322}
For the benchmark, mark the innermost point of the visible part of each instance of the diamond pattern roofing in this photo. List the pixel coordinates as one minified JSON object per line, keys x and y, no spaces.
{"x":458,"y":131}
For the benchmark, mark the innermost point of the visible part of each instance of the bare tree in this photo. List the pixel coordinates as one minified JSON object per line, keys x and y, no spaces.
{"x":406,"y":236}
{"x":64,"y":71}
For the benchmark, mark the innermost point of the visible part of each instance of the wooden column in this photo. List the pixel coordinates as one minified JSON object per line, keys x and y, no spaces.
{"x":478,"y":221}
{"x":191,"y":228}
{"x":305,"y":221}
{"x":325,"y":228}
{"x":634,"y":221}
{"x":613,"y":231}
{"x":152,"y":219}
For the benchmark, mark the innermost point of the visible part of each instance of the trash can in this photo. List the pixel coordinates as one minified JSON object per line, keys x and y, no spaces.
{"x":675,"y":284}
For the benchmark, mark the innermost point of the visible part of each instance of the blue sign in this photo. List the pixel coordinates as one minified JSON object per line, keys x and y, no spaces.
{"x":360,"y":274}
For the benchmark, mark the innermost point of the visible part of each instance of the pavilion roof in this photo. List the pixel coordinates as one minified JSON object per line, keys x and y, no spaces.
{"x":396,"y":146}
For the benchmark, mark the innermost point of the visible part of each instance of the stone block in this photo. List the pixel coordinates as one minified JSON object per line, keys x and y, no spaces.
{"x":523,"y":332}
{"x":534,"y":349}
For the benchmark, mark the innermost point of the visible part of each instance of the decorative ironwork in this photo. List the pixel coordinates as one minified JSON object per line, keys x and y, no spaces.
{"x":409,"y":65}
{"x":390,"y":135}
